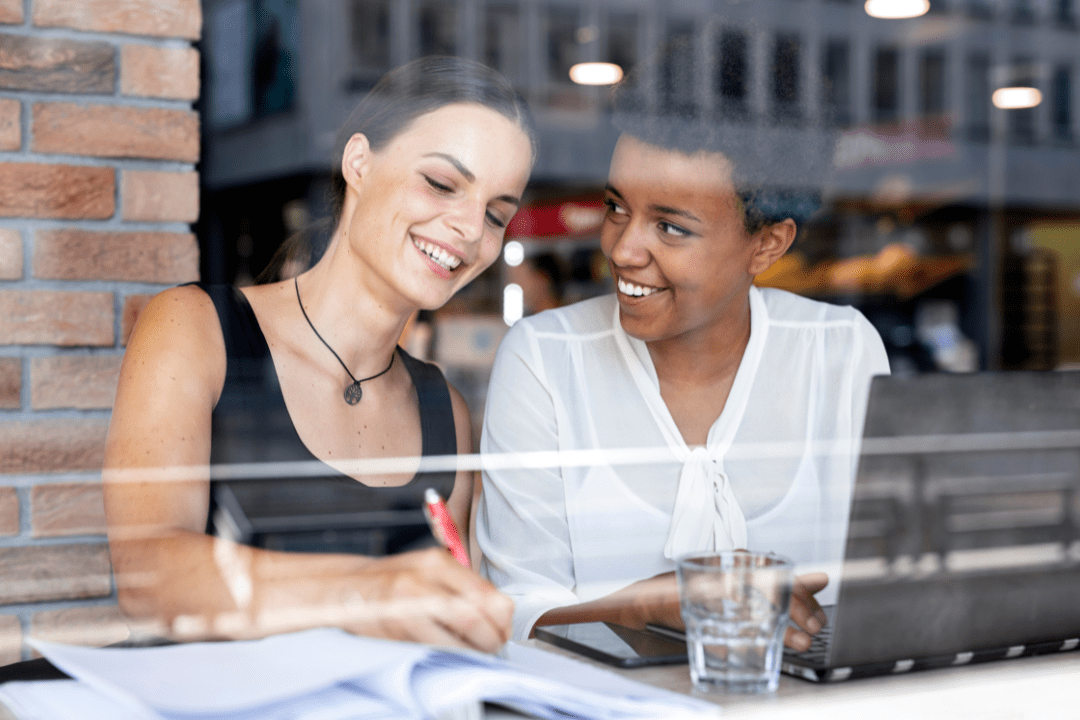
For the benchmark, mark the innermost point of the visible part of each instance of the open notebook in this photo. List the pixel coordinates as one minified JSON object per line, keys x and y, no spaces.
{"x":329,"y":674}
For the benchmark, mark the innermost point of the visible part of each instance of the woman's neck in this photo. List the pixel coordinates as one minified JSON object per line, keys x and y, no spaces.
{"x":343,"y":301}
{"x":704,"y":356}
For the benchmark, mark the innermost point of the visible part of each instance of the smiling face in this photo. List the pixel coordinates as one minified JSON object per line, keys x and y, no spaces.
{"x":676,"y":243}
{"x":430,"y":207}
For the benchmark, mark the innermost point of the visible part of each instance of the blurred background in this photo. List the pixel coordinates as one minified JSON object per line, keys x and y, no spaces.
{"x":943,"y":146}
{"x":951,"y":180}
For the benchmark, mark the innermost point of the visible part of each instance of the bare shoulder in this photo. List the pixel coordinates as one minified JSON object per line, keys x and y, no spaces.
{"x":178,"y":331}
{"x":181,"y":309}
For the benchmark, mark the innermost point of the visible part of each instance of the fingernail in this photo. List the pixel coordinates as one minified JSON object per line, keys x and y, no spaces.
{"x":813,"y":624}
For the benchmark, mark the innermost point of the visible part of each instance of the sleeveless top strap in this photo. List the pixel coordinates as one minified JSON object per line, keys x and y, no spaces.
{"x":436,"y":413}
{"x":243,"y":337}
{"x":245,"y":340}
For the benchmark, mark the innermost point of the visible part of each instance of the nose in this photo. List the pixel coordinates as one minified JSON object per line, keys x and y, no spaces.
{"x":468,"y":220}
{"x":629,"y":244}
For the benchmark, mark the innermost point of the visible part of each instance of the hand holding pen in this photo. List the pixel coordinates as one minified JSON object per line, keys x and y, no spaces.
{"x":443,"y":527}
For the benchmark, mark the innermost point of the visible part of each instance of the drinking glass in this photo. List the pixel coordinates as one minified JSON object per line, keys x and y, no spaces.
{"x":735,"y":605}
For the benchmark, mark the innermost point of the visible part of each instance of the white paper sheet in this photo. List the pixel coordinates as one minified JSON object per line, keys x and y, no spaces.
{"x":327,"y":674}
{"x":561,"y":669}
{"x":65,"y":700}
{"x":207,"y":678}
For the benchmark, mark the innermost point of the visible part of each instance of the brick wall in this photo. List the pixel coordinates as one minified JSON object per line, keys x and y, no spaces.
{"x":98,"y":145}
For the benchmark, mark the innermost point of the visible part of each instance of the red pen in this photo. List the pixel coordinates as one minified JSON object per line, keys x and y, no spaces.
{"x":442,"y":526}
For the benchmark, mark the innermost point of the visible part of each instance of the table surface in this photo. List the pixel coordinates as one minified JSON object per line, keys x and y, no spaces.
{"x":1026,"y":687}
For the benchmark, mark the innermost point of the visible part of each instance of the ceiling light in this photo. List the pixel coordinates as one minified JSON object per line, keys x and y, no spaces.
{"x":1016,"y":98}
{"x":513,"y":253}
{"x":896,"y":9}
{"x":596,"y":73}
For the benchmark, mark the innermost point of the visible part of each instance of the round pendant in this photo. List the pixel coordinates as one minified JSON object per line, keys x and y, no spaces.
{"x":353,"y":393}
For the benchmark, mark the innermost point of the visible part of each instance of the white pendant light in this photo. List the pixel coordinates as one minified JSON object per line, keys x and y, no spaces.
{"x":896,"y":9}
{"x":1016,"y":98}
{"x":596,"y":73}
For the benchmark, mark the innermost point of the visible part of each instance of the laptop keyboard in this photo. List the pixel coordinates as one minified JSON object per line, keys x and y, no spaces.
{"x":818,"y":650}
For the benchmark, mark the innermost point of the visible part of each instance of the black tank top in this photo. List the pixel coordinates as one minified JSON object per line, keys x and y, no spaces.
{"x":268,"y":490}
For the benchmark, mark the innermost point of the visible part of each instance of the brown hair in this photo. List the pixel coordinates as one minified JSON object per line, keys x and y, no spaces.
{"x":400,"y":97}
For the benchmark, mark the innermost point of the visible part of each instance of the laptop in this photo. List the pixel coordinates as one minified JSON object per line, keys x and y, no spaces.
{"x":964,"y":537}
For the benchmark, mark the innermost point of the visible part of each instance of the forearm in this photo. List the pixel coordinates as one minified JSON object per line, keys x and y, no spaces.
{"x":602,"y":610}
{"x":189,"y":586}
{"x":653,"y":600}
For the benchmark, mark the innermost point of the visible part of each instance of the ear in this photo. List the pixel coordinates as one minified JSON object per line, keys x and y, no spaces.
{"x":355,"y":159}
{"x":772,"y":241}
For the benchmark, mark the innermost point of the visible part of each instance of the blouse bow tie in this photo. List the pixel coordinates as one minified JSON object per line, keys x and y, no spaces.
{"x":707,"y":516}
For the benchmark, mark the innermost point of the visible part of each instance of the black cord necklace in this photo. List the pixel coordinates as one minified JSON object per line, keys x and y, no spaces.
{"x":353,"y":392}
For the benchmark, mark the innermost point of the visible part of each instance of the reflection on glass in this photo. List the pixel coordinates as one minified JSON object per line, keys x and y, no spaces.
{"x":980,"y":9}
{"x":1021,"y":102}
{"x":502,"y":40}
{"x":731,"y":74}
{"x":562,"y":43}
{"x":836,"y":83}
{"x":1023,"y":12}
{"x":886,"y":84}
{"x":785,"y":85}
{"x":596,"y":73}
{"x":1063,"y":12}
{"x":977,"y":94}
{"x":932,"y":82}
{"x":678,"y":76}
{"x":370,"y":44}
{"x":513,"y":303}
{"x":896,"y":9}
{"x":513,"y":253}
{"x":622,"y":40}
{"x":437,"y":28}
{"x":966,"y":492}
{"x":1016,"y":98}
{"x":1062,"y":115}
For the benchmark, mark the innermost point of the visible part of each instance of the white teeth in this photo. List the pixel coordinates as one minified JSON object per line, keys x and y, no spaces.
{"x":437,"y":254}
{"x":635,"y":290}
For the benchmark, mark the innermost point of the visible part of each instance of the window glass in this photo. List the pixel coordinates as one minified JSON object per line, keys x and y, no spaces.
{"x":886,"y":84}
{"x":732,"y":73}
{"x":1062,"y":104}
{"x":622,"y":40}
{"x":1022,"y":120}
{"x":836,"y":83}
{"x":502,"y":40}
{"x":369,"y":41}
{"x":680,"y":75}
{"x":978,"y":96}
{"x":932,"y":81}
{"x":437,"y":28}
{"x":785,"y":76}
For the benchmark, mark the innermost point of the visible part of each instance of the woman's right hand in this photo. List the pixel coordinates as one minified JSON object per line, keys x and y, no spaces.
{"x":420,"y":596}
{"x":426,"y":596}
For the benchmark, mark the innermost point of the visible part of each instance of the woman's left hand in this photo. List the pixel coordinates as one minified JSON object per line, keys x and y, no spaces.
{"x":806,"y":614}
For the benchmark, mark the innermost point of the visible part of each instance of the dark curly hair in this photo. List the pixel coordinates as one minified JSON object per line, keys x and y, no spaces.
{"x":647,"y":106}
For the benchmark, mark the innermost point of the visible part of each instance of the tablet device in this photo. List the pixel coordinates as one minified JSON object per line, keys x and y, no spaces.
{"x":615,"y":645}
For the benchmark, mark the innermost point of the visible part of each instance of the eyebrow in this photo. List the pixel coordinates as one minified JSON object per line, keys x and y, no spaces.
{"x":661,"y":209}
{"x":470,"y":176}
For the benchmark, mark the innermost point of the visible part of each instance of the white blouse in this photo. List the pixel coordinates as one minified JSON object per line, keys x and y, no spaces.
{"x":589,"y":486}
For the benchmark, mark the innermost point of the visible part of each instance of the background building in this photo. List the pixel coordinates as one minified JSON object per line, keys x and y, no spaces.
{"x":953,"y":223}
{"x":950,"y":222}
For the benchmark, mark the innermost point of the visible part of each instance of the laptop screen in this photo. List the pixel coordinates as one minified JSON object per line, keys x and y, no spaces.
{"x":964,"y":524}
